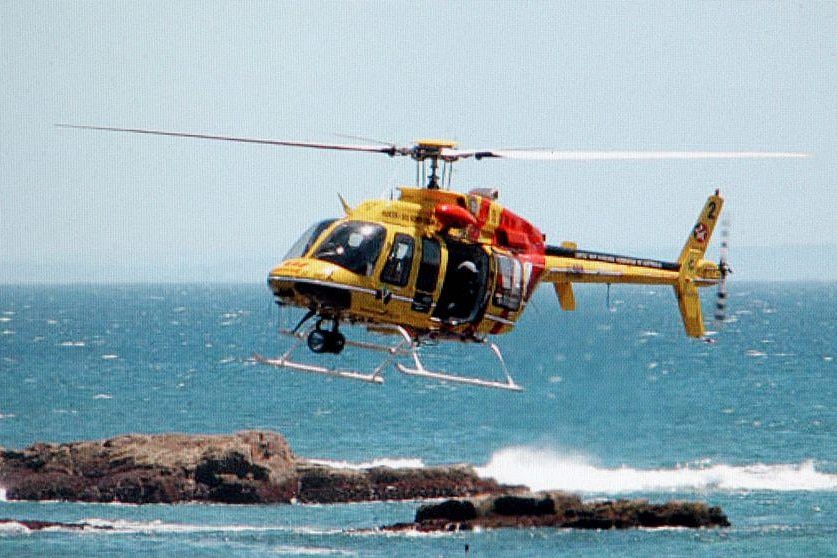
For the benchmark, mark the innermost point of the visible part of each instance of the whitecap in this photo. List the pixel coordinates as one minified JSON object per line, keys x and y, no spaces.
{"x":102,"y":396}
{"x":14,"y":528}
{"x":73,"y":344}
{"x":392,"y":463}
{"x":312,"y":551}
{"x":109,"y":357}
{"x":159,"y":526}
{"x":4,"y":319}
{"x":755,"y":353}
{"x":543,"y":469}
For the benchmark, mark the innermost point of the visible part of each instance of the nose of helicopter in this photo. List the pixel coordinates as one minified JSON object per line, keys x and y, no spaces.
{"x":309,"y":283}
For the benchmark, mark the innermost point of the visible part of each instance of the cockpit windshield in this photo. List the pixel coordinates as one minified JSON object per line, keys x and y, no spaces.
{"x":305,"y":241}
{"x":354,"y":245}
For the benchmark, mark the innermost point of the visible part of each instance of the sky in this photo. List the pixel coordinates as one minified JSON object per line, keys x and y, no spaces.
{"x":83,"y":206}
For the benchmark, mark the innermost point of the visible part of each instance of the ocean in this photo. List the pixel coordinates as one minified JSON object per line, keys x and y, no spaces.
{"x":618,"y":403}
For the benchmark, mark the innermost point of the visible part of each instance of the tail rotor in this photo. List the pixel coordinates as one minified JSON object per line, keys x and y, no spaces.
{"x":726,"y":270}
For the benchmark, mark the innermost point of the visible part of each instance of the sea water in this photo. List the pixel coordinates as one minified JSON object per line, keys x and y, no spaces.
{"x":618,"y":403}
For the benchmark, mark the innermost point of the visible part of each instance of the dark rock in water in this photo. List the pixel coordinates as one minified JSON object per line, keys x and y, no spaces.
{"x":451,"y":510}
{"x":518,"y":505}
{"x":243,"y":468}
{"x":246,"y":467}
{"x":259,"y":467}
{"x":323,"y":484}
{"x":560,"y":510}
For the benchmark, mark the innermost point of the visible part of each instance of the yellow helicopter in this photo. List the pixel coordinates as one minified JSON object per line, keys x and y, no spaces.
{"x":439,"y":265}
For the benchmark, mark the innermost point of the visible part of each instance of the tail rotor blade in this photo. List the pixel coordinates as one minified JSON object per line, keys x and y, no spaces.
{"x":723,"y":265}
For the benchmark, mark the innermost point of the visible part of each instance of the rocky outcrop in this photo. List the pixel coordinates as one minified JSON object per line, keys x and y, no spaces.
{"x":259,"y":467}
{"x":321,"y":484}
{"x":247,"y":467}
{"x":559,"y":510}
{"x":243,"y":468}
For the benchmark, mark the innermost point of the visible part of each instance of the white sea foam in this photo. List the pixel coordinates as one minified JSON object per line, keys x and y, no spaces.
{"x":393,"y":463}
{"x":158,"y":526}
{"x":14,"y":528}
{"x":109,"y":357}
{"x":542,"y":469}
{"x":73,"y":344}
{"x":312,"y":551}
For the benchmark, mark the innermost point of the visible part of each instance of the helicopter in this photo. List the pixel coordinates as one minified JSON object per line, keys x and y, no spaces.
{"x":436,"y":265}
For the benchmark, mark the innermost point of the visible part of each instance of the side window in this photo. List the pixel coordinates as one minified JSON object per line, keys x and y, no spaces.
{"x":431,"y":261}
{"x":509,"y":287}
{"x":397,"y":268}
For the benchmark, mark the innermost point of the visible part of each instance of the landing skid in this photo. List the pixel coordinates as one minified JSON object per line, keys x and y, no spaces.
{"x":405,"y":346}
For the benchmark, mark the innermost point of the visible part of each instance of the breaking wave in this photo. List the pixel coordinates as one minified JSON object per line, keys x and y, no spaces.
{"x":542,"y":469}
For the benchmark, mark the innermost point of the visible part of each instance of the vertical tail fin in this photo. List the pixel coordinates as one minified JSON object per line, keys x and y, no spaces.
{"x":686,"y":288}
{"x":701,"y":233}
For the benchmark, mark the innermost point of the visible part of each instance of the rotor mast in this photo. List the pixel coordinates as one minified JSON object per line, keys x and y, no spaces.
{"x":432,"y":150}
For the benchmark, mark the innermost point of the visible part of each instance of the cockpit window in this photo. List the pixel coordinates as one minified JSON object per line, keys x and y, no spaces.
{"x":354,"y":245}
{"x":305,"y":241}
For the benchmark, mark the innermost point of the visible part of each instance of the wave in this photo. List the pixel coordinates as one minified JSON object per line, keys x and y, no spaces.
{"x":542,"y":469}
{"x":313,"y":551}
{"x":158,"y":526}
{"x":391,"y":462}
{"x":14,"y":528}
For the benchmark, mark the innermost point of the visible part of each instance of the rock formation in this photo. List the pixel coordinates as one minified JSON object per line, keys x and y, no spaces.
{"x":259,"y":467}
{"x":557,"y":509}
{"x":244,"y":468}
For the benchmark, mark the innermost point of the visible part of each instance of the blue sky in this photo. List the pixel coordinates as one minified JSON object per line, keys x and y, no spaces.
{"x":99,"y":207}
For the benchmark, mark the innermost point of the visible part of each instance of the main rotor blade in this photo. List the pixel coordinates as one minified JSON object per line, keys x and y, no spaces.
{"x":555,"y":155}
{"x":390,"y":150}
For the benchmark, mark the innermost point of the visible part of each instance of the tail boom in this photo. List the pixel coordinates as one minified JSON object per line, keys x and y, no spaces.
{"x":566,"y":265}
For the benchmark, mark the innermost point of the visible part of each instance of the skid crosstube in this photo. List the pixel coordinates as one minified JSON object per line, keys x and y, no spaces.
{"x":405,"y":346}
